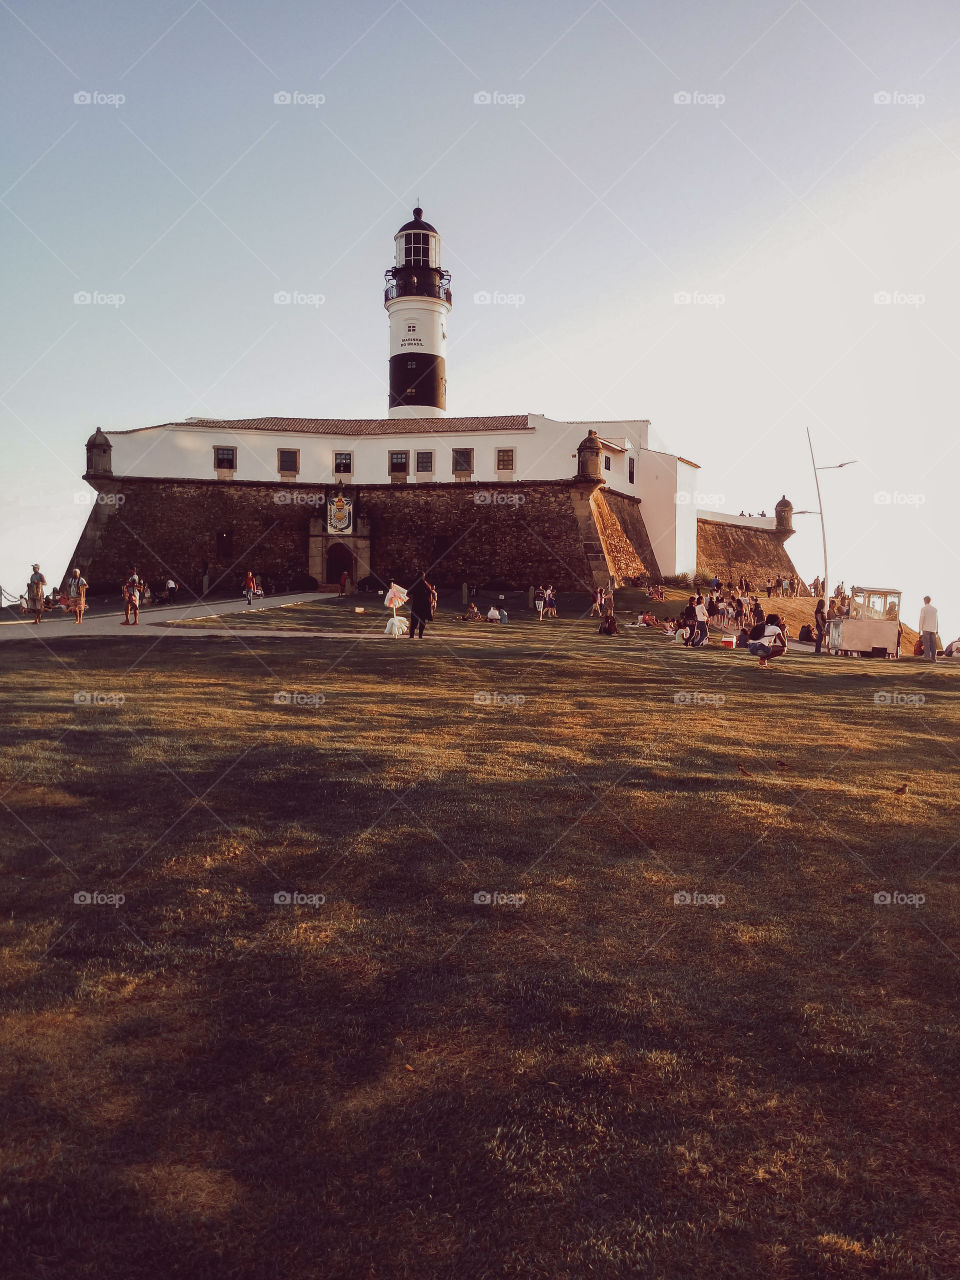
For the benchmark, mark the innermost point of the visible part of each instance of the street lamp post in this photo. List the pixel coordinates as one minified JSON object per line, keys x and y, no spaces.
{"x":837,"y":466}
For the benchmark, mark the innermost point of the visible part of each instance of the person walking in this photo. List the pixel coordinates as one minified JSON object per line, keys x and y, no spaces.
{"x":35,"y":585}
{"x":702,"y":623}
{"x":344,"y":578}
{"x":77,"y":590}
{"x":421,"y":597}
{"x":596,"y":611}
{"x":819,"y":625}
{"x":250,"y":586}
{"x":131,"y":594}
{"x":550,"y":604}
{"x":929,"y":626}
{"x":171,"y":591}
{"x":540,"y":602}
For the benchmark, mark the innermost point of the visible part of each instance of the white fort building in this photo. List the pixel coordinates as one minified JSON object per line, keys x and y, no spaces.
{"x":416,"y":444}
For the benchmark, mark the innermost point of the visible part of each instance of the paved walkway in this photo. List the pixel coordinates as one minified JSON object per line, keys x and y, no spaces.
{"x":61,"y":626}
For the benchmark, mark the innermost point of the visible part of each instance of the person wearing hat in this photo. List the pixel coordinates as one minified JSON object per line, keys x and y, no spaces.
{"x":35,"y":587}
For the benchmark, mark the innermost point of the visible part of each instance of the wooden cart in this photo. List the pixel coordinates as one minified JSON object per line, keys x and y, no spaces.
{"x":873,"y":627}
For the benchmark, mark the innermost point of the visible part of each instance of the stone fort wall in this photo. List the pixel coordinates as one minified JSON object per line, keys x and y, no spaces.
{"x":729,"y":550}
{"x":513,"y":534}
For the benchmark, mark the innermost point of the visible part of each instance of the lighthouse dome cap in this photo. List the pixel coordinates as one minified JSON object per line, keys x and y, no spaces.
{"x":418,"y":224}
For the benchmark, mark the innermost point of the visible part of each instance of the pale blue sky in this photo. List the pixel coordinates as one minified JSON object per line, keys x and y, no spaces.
{"x":797,"y":200}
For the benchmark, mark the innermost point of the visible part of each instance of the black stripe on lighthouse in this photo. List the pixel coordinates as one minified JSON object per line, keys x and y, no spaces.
{"x":417,"y":378}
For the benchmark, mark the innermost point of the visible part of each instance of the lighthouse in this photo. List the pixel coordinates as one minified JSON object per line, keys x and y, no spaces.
{"x":418,"y":300}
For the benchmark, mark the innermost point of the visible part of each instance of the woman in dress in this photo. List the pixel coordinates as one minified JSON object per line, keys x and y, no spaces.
{"x":77,"y":593}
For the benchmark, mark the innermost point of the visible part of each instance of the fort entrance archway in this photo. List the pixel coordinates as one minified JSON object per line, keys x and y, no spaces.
{"x":339,"y":558}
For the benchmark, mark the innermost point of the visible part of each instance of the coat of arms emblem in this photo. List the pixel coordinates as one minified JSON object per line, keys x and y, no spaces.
{"x":340,"y":515}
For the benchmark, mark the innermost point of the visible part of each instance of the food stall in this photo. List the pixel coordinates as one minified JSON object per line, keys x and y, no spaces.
{"x":872,"y":629}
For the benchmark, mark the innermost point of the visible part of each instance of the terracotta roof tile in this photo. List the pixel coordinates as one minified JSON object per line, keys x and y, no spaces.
{"x":350,"y":426}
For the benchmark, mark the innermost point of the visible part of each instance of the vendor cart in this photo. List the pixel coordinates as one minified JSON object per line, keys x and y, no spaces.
{"x":872,"y":629}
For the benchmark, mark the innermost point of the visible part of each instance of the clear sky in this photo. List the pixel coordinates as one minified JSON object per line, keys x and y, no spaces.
{"x":803,"y":190}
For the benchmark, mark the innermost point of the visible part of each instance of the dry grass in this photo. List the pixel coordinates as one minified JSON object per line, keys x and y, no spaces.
{"x":403,"y":1083}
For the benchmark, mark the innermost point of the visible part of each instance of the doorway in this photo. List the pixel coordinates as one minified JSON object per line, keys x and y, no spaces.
{"x":339,"y":558}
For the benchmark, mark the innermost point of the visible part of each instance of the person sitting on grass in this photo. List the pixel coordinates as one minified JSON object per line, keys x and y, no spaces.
{"x":608,"y":625}
{"x":771,"y":644}
{"x":493,"y":614}
{"x":473,"y":614}
{"x":743,"y":639}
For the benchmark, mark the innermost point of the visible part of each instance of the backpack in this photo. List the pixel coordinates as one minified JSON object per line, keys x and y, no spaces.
{"x":756,"y":632}
{"x":805,"y":633}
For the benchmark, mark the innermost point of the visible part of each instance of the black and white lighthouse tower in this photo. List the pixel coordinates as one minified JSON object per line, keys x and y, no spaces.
{"x":418,"y":300}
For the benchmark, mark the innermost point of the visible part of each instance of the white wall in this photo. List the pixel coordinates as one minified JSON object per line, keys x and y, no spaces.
{"x":428,"y":316}
{"x":686,"y":518}
{"x":657,"y":486}
{"x":179,"y":453}
{"x":549,"y":452}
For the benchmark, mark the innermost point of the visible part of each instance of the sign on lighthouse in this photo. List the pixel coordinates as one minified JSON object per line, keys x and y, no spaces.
{"x":418,"y":300}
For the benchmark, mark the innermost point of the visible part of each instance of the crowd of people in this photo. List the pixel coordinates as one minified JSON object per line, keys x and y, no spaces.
{"x":72,"y":600}
{"x":545,"y":602}
{"x":134,"y":592}
{"x":763,"y":634}
{"x":733,"y":609}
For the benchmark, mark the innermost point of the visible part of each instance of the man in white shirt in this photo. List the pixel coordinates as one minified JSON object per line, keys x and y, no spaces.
{"x":929,"y":626}
{"x":703,"y":618}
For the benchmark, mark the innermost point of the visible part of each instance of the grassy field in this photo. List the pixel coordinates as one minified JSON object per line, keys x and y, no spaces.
{"x":390,"y":1078}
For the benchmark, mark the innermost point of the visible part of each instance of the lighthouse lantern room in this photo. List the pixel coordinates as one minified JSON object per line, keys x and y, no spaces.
{"x":418,"y":300}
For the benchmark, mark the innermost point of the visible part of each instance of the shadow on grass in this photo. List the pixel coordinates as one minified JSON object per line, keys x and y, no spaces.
{"x":401,"y":1081}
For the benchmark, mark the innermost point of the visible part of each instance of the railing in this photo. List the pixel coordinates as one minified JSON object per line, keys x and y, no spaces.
{"x":426,"y":284}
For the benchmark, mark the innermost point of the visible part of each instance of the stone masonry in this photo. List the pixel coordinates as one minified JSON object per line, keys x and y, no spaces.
{"x":568,"y":533}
